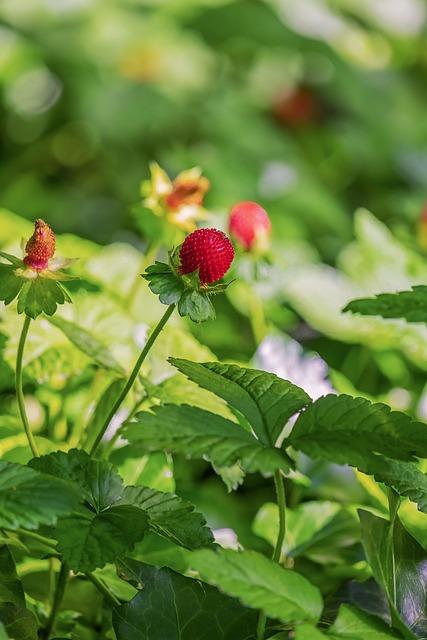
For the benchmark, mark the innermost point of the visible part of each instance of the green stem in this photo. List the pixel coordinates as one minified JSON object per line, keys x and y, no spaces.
{"x":281,"y":503}
{"x":117,"y":404}
{"x":393,"y":507}
{"x":102,"y":588}
{"x":18,"y":383}
{"x":57,"y":600}
{"x":48,"y":542}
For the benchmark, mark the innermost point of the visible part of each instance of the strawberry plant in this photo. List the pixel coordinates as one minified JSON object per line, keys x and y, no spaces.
{"x":151,"y":491}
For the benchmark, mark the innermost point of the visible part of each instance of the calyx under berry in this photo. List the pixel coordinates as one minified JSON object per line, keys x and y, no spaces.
{"x":191,"y":277}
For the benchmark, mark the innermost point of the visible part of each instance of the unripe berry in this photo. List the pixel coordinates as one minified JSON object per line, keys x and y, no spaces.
{"x":40,"y":248}
{"x":209,"y":251}
{"x":250,"y":225}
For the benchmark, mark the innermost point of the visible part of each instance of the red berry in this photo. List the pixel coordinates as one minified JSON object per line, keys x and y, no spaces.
{"x":297,"y":108}
{"x":249,"y":224}
{"x":40,"y":248}
{"x":209,"y":251}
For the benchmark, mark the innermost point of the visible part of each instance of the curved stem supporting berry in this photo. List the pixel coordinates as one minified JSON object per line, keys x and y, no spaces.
{"x":128,"y":386}
{"x":281,"y":503}
{"x":18,"y":384}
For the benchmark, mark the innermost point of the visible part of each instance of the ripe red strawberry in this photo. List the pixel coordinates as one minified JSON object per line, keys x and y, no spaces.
{"x":40,"y":248}
{"x":250,"y":225}
{"x":209,"y":251}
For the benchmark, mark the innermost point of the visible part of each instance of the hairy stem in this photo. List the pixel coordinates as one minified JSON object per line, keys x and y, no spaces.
{"x":281,"y":503}
{"x":61,"y":583}
{"x":128,"y":386}
{"x":102,"y":588}
{"x":18,"y":384}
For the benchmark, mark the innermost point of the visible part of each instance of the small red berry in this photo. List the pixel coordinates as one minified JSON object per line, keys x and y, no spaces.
{"x":250,"y":225}
{"x":40,"y":248}
{"x":297,"y":108}
{"x":209,"y":251}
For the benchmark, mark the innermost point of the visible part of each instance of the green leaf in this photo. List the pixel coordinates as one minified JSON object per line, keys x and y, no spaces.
{"x":260,"y":583}
{"x":178,"y":608}
{"x":89,"y":540}
{"x":318,"y":530}
{"x":10,"y":586}
{"x":201,"y":434}
{"x":41,"y":295}
{"x":87,"y":343}
{"x":404,"y":477}
{"x":20,"y":623}
{"x":164,"y":283}
{"x":17,"y":262}
{"x":29,"y":498}
{"x":350,"y":624}
{"x":10,"y":284}
{"x":170,"y":516}
{"x":410,"y":305}
{"x":400,"y":573}
{"x":196,"y":305}
{"x":350,"y":430}
{"x":266,"y":401}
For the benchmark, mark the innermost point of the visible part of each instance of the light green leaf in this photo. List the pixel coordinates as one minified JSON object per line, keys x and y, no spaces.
{"x":87,"y":343}
{"x":201,"y":434}
{"x":260,"y":583}
{"x":350,"y":624}
{"x":410,"y":305}
{"x":178,"y":608}
{"x":266,"y":401}
{"x":29,"y":498}
{"x":350,"y":430}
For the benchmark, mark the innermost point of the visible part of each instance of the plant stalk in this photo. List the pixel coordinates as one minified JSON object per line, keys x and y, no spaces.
{"x":19,"y":391}
{"x":102,"y":588}
{"x":57,"y":600}
{"x":123,"y":394}
{"x":281,"y":503}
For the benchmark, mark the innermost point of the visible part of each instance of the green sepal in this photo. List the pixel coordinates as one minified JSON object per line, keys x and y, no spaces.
{"x":164,"y":282}
{"x":191,"y":297}
{"x":41,"y":296}
{"x":10,"y":283}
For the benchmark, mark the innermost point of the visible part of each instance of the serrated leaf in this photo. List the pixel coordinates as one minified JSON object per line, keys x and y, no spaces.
{"x":202,"y":434}
{"x":87,"y":343}
{"x":18,"y":622}
{"x":29,"y":498}
{"x":178,"y":608}
{"x":196,"y":305}
{"x":404,"y":477}
{"x":400,"y":573}
{"x":98,"y":482}
{"x":13,"y":612}
{"x":266,"y":401}
{"x":10,"y":585}
{"x":89,"y":540}
{"x":260,"y":583}
{"x":170,"y":516}
{"x":350,"y":430}
{"x":41,"y":295}
{"x":409,"y":305}
{"x":164,"y":283}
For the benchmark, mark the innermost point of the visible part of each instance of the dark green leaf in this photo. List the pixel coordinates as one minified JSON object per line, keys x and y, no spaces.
{"x":266,"y":401}
{"x":89,"y":540}
{"x":170,"y":516}
{"x":29,"y":498}
{"x":398,"y":563}
{"x":410,"y":305}
{"x":173,"y":607}
{"x":260,"y":583}
{"x":350,"y":430}
{"x":18,"y":622}
{"x":41,"y":295}
{"x":404,"y":477}
{"x":201,"y":434}
{"x":10,"y":586}
{"x":87,"y":343}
